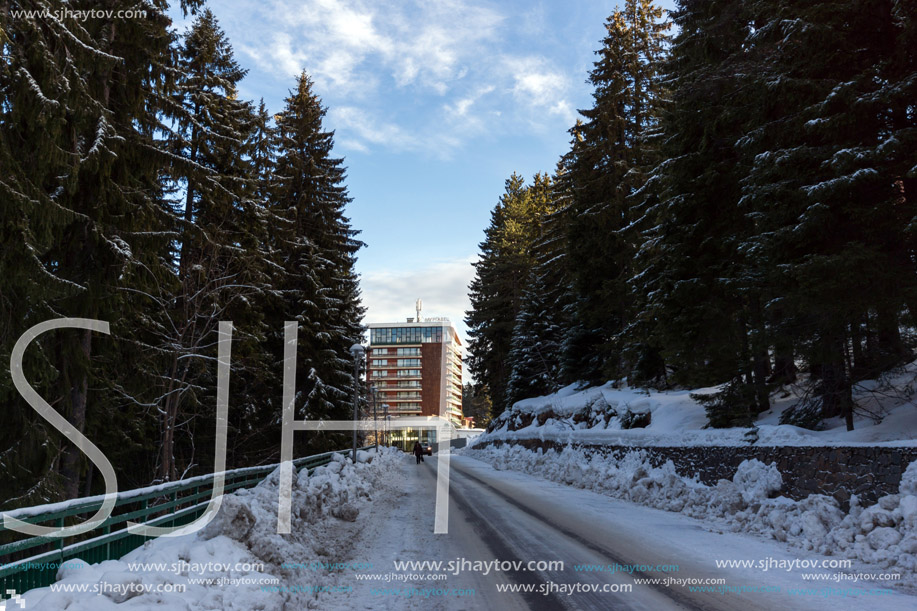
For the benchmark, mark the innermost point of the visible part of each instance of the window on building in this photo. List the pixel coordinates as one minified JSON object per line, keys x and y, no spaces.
{"x":406,"y":335}
{"x":409,"y":362}
{"x":408,"y":373}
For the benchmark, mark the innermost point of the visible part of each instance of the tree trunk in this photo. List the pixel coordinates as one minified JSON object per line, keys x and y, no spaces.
{"x":760,"y":363}
{"x":837,"y":394}
{"x":185,"y":254}
{"x":87,"y":486}
{"x":760,"y":368}
{"x":784,"y":371}
{"x":912,"y":310}
{"x":872,"y":348}
{"x":78,"y":387}
{"x":856,"y":340}
{"x":784,"y":366}
{"x":167,"y":470}
{"x":891,"y":348}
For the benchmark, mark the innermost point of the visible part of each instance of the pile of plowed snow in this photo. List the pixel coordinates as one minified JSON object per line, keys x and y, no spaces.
{"x":237,"y":562}
{"x":882,"y":536}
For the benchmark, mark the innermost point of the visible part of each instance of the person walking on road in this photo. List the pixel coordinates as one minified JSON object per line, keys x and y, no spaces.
{"x":418,"y":452}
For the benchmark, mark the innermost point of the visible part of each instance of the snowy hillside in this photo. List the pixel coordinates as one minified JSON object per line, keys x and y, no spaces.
{"x":887,"y":415}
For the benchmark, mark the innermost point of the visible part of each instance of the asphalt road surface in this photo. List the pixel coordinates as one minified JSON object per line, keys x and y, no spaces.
{"x":515,"y":518}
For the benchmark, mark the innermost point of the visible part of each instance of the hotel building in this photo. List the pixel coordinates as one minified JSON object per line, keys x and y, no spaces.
{"x":416,"y":369}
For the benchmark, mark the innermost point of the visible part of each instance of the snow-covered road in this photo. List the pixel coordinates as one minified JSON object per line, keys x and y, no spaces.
{"x":363,"y":539}
{"x":509,"y":516}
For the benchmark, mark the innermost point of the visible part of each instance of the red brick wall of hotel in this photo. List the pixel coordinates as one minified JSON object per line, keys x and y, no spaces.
{"x":430,"y":383}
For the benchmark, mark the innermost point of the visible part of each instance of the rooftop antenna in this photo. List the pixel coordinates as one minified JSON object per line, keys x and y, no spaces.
{"x":419,"y":306}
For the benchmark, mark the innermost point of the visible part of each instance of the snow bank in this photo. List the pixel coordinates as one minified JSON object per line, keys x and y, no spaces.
{"x":614,"y":414}
{"x":237,"y":561}
{"x":882,"y":536}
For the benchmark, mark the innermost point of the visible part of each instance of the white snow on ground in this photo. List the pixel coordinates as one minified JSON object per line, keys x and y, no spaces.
{"x":887,"y":416}
{"x":398,"y":526}
{"x":883,"y":537}
{"x":643,"y":535}
{"x":243,"y":537}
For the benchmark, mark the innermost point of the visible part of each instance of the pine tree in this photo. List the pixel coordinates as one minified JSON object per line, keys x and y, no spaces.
{"x":553,"y":277}
{"x":695,"y":306}
{"x":500,"y":279}
{"x":755,"y":218}
{"x":607,"y":165}
{"x":316,"y":247}
{"x":534,"y":340}
{"x":476,"y":404}
{"x":92,"y":86}
{"x":120,"y":250}
{"x":253,"y":413}
{"x":535,"y":346}
{"x":822,"y":159}
{"x":220,"y":268}
{"x":32,"y":118}
{"x":102,"y":124}
{"x":896,"y":143}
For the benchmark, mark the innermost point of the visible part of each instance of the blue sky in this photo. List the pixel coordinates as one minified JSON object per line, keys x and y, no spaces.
{"x":434,"y":104}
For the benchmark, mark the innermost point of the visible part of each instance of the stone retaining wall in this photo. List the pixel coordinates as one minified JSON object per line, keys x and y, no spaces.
{"x":868,"y":472}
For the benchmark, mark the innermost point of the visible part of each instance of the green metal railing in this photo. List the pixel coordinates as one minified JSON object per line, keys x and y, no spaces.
{"x":32,"y":562}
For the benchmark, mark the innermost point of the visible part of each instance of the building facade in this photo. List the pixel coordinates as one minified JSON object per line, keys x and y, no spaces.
{"x":416,"y":369}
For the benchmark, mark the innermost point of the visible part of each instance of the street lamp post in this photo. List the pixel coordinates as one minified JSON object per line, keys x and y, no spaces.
{"x":357,"y":351}
{"x":375,"y":426}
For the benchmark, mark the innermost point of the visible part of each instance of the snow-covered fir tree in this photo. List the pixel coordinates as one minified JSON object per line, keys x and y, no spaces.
{"x":606,"y":165}
{"x":535,"y":346}
{"x":315,"y":247}
{"x":501,"y":277}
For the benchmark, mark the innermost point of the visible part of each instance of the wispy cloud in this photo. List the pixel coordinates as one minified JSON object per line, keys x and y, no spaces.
{"x":364,"y":129}
{"x":369,"y":129}
{"x":540,"y":86}
{"x":461,"y":106}
{"x":443,"y":286}
{"x":340,"y":42}
{"x":365,"y":55}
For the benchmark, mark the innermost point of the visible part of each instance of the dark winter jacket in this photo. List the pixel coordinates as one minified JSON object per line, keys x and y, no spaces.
{"x":418,"y":449}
